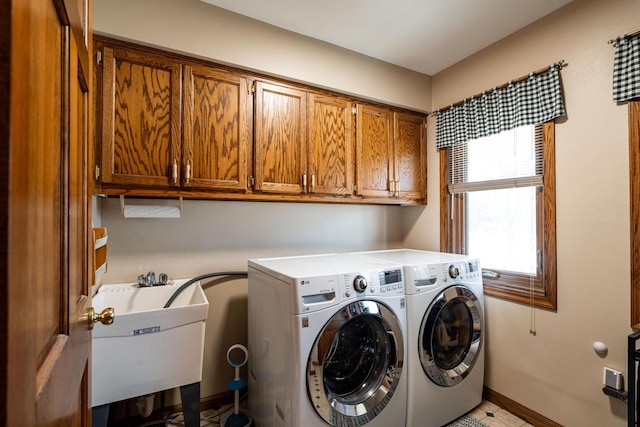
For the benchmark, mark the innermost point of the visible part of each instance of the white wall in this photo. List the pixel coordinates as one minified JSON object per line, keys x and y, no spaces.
{"x":556,"y":372}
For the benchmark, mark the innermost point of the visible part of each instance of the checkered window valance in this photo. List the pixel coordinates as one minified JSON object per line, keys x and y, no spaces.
{"x":626,"y":69}
{"x":537,"y":98}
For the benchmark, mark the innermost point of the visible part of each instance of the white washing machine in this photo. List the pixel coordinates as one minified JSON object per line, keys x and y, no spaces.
{"x":445,"y":330}
{"x":326,"y":342}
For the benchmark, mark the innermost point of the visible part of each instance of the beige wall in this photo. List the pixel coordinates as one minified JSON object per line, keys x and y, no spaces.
{"x":213,"y":236}
{"x":221,"y":236}
{"x":199,"y":29}
{"x":556,"y":372}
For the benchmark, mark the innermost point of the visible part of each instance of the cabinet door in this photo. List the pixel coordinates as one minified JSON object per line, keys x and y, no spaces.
{"x":280,"y":139}
{"x":374,"y":151}
{"x":410,"y":156}
{"x":140,"y":119}
{"x":330,"y":145}
{"x":216,"y":132}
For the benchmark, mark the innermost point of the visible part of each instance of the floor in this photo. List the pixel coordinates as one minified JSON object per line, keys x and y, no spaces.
{"x":490,"y":415}
{"x":487,"y":413}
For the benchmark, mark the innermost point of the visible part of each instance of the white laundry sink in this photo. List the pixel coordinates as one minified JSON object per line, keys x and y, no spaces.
{"x":148,"y":348}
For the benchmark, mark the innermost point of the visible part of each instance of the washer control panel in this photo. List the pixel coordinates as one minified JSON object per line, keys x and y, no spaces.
{"x":375,"y":282}
{"x":313,"y":293}
{"x":360,"y":283}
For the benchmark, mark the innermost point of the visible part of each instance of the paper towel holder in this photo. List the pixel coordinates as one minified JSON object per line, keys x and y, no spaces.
{"x":150,"y":211}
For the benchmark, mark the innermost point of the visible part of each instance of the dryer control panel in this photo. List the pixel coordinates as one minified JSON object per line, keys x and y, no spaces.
{"x":424,"y":277}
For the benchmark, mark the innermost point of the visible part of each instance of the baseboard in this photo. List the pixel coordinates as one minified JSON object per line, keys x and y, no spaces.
{"x":517,"y":409}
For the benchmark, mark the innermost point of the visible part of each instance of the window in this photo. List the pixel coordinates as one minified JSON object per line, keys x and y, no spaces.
{"x":498,"y":204}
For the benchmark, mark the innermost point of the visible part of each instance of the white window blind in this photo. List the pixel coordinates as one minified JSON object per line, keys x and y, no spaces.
{"x":509,"y":159}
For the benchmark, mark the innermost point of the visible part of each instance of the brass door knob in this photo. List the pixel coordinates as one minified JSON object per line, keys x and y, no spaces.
{"x":105,"y":317}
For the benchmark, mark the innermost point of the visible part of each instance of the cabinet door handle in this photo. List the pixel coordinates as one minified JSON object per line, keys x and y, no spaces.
{"x":175,"y":172}
{"x":304,"y":182}
{"x":187,"y":172}
{"x":313,"y":181}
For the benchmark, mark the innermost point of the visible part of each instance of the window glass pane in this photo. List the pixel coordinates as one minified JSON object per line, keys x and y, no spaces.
{"x":509,"y":154}
{"x":501,"y":228}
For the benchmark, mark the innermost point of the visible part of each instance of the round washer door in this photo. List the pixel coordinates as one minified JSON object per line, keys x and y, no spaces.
{"x":450,"y":336}
{"x":355,"y":364}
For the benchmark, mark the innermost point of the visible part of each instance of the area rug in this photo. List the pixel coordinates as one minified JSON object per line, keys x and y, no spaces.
{"x":467,"y":421}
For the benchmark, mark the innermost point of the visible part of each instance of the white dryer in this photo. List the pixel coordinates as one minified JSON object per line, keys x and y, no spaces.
{"x":326,"y":342}
{"x":445,"y":329}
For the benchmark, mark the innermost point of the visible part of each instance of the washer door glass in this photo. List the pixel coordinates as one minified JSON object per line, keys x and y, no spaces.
{"x":450,"y":336}
{"x":355,"y":364}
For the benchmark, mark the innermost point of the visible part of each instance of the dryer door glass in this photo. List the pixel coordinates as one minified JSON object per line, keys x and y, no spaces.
{"x":355,"y":364}
{"x":450,"y":336}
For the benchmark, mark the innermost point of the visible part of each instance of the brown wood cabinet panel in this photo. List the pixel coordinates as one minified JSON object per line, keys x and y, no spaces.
{"x":410,"y":156}
{"x":140,"y":119}
{"x":175,"y":126}
{"x":280,"y":139}
{"x":374,"y":151}
{"x":330,"y":145}
{"x":216,"y":131}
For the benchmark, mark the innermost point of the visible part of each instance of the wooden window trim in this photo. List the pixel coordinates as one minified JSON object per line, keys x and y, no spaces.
{"x":512,"y":286}
{"x":634,"y":190}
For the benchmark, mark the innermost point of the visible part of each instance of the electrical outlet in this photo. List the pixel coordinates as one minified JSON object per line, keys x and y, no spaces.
{"x":612,"y":378}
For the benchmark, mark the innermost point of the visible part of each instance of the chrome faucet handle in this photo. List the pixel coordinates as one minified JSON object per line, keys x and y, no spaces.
{"x":151,"y":278}
{"x":142,"y":280}
{"x":163,"y":279}
{"x":148,"y":280}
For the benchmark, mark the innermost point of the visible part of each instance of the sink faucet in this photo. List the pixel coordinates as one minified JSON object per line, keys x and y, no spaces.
{"x":148,"y":280}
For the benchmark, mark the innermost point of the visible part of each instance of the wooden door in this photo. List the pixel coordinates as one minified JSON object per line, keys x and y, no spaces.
{"x":45,"y":355}
{"x":216,"y":131}
{"x":280,"y":139}
{"x":410,"y":156}
{"x":140,"y":116}
{"x":374,"y":151}
{"x":330,"y":145}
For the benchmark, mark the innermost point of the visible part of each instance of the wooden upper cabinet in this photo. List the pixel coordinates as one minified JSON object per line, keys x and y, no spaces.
{"x":171,"y":125}
{"x":410,"y":156}
{"x":280,"y":152}
{"x":330,"y":145}
{"x":374,"y":151}
{"x":216,"y":140}
{"x":140,"y":119}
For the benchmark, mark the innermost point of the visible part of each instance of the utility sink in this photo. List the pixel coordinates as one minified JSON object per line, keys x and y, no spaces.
{"x":148,"y":348}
